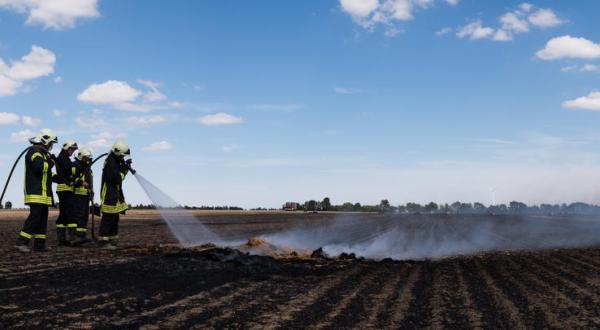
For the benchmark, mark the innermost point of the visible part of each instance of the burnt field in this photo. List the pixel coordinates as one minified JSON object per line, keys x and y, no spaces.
{"x":151,"y":283}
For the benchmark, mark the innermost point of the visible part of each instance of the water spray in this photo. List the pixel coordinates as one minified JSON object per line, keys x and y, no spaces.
{"x":188,"y":230}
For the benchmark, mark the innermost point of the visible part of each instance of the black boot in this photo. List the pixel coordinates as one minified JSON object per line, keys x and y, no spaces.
{"x":23,"y":244}
{"x":39,"y":245}
{"x":72,"y":234}
{"x":81,"y":239}
{"x":61,"y":235}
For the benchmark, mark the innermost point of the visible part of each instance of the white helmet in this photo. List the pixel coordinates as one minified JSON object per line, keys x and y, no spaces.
{"x":46,"y":136}
{"x":120,"y":148}
{"x":84,"y":152}
{"x":70,"y":144}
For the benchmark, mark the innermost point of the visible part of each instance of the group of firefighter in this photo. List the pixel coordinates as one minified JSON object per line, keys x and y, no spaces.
{"x":74,"y":178}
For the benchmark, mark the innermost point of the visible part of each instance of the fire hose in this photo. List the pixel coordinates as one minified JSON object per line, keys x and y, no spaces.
{"x":93,"y":207}
{"x":11,"y":173}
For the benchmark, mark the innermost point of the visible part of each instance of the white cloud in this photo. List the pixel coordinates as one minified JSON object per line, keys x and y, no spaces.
{"x":502,"y":35}
{"x":452,"y":2}
{"x":359,"y":8}
{"x":58,"y":79}
{"x":513,"y":23}
{"x":109,"y":92}
{"x":121,"y":96}
{"x":443,"y":31}
{"x":30,"y":121}
{"x":99,"y":143}
{"x":7,"y":118}
{"x":8,"y":86}
{"x":475,"y":30}
{"x":38,"y":63}
{"x":526,"y":7}
{"x":154,"y":94}
{"x":589,"y":102}
{"x":368,"y":13}
{"x":219,"y":118}
{"x":21,"y":136}
{"x":590,"y":68}
{"x":57,"y":113}
{"x":158,"y":146}
{"x":146,"y":121}
{"x":545,"y":18}
{"x":53,"y":14}
{"x":569,"y":68}
{"x":569,"y":47}
{"x":346,"y":90}
{"x":90,"y":122}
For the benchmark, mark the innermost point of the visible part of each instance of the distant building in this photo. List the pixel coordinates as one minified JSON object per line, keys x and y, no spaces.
{"x":291,"y":206}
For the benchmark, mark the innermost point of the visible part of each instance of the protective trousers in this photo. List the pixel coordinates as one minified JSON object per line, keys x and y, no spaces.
{"x":81,"y":213}
{"x":109,"y":227}
{"x":65,"y":218}
{"x":35,"y":226}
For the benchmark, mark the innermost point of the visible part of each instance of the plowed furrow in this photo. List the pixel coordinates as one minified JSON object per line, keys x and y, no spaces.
{"x":235,"y":314}
{"x":575,"y":274}
{"x":469,"y":307}
{"x":559,"y":308}
{"x":533,"y":314}
{"x":496,"y":310}
{"x":590,"y":260}
{"x":317,"y":311}
{"x":377,"y":302}
{"x":577,"y":289}
{"x":201,"y":307}
{"x":582,"y":262}
{"x":352,"y":308}
{"x":287,"y":311}
{"x":398,"y":304}
{"x":418,"y":314}
{"x":447,"y":306}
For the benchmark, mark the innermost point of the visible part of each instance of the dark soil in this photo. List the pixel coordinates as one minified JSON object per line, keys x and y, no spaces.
{"x":150,"y":283}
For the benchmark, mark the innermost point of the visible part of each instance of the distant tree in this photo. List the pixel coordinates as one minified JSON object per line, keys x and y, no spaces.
{"x":431,"y":207}
{"x":456,"y":206}
{"x":478,"y":206}
{"x":517,"y":207}
{"x":326,"y":204}
{"x":402,"y":209}
{"x":384,"y":206}
{"x":414,"y":207}
{"x":311,"y":205}
{"x":8,"y":205}
{"x":357,"y":207}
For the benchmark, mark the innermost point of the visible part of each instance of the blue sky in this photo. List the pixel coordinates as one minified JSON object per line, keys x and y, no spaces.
{"x":255,"y":103}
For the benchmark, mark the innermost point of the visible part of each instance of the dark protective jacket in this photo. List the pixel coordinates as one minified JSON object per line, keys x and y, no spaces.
{"x":65,"y":170}
{"x":83,"y":173}
{"x":38,"y":176}
{"x":113,"y":174}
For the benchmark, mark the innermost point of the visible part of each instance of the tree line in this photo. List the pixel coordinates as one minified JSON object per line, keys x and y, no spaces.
{"x":513,"y":207}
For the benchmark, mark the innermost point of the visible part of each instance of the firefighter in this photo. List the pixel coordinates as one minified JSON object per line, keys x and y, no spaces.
{"x":82,"y":194}
{"x":65,"y":178}
{"x":38,"y":190}
{"x":112,"y":198}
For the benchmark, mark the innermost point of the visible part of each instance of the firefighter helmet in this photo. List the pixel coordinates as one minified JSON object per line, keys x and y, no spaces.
{"x":84,"y":153}
{"x":120,"y":148}
{"x":46,"y":137}
{"x":70,"y":144}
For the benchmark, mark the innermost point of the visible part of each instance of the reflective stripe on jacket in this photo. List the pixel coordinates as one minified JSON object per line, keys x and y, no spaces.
{"x":38,"y":177}
{"x":65,"y":170}
{"x":113,"y":174}
{"x":83,"y":174}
